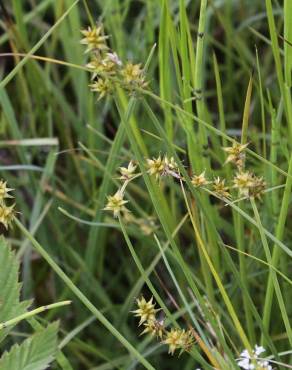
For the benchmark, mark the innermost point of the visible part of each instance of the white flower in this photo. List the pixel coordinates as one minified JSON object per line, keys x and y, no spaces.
{"x":250,"y":361}
{"x":245,"y":354}
{"x":259,"y":349}
{"x":244,"y":363}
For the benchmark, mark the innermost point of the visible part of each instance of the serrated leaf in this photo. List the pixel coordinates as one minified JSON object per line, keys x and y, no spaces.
{"x":10,"y":305}
{"x":35,"y":353}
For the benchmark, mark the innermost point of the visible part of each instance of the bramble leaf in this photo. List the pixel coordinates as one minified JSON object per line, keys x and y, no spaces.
{"x":10,"y":305}
{"x":35,"y":353}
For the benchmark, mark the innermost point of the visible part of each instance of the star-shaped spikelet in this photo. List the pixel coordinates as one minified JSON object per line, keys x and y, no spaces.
{"x":200,"y":180}
{"x":116,"y":203}
{"x":236,"y":154}
{"x":179,"y":339}
{"x":133,"y":75}
{"x":220,"y":188}
{"x":128,"y":173}
{"x":7,"y":214}
{"x":94,"y":38}
{"x":103,"y":86}
{"x":146,"y":310}
{"x":4,"y":191}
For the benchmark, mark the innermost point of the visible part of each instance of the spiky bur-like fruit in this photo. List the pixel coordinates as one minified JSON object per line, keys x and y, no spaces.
{"x":133,"y":75}
{"x":236,"y":154}
{"x":243,"y":182}
{"x":4,"y":191}
{"x":249,"y":185}
{"x":106,"y":66}
{"x":146,"y":310}
{"x":95,"y":39}
{"x":7,"y":213}
{"x":155,"y":166}
{"x":258,"y":188}
{"x":200,"y":180}
{"x":116,"y":203}
{"x":154,"y":328}
{"x":220,"y":188}
{"x":102,"y":86}
{"x":179,"y":339}
{"x":127,"y":173}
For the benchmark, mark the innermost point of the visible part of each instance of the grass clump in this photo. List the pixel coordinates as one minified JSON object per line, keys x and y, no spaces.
{"x":159,"y":189}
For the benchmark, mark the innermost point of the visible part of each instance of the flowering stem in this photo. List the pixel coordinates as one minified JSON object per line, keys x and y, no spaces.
{"x":142,"y":271}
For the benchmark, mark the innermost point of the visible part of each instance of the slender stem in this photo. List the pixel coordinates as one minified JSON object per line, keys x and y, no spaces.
{"x":29,"y":314}
{"x":201,"y":343}
{"x":142,"y":271}
{"x":83,"y":298}
{"x":220,"y":285}
{"x":273,"y":275}
{"x":276,"y":250}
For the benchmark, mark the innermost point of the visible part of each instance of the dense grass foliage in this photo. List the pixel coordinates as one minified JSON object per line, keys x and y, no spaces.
{"x":208,"y":235}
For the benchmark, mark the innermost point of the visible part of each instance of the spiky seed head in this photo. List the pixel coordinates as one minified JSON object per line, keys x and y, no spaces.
{"x":4,"y":191}
{"x":128,"y":172}
{"x":154,"y":328}
{"x":103,"y":86}
{"x":178,"y":339}
{"x":116,"y":203}
{"x":220,"y":189}
{"x":170,"y":163}
{"x":132,"y":72}
{"x":249,"y":185}
{"x":243,"y":181}
{"x":95,"y":39}
{"x":236,"y":154}
{"x":133,"y":75}
{"x":171,"y":167}
{"x":155,"y":166}
{"x":101,"y":67}
{"x":146,"y":310}
{"x":258,"y":188}
{"x":200,"y":180}
{"x":163,"y":167}
{"x":7,"y":214}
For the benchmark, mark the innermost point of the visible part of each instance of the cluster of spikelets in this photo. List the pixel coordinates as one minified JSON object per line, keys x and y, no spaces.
{"x":249,"y":361}
{"x":107,"y":70}
{"x":157,"y":167}
{"x":183,"y":340}
{"x":117,"y":204}
{"x":246,"y":183}
{"x":175,"y":338}
{"x":7,"y":212}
